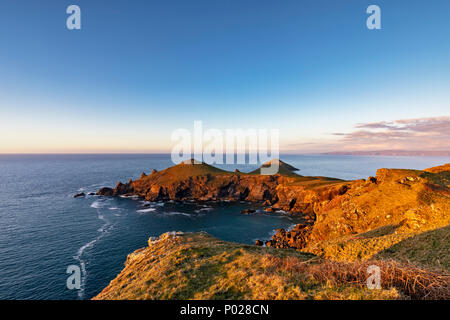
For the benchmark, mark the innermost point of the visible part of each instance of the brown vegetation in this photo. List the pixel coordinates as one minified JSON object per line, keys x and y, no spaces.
{"x":198,"y":266}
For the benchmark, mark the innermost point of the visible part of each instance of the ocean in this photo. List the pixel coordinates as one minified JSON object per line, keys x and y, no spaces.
{"x":43,"y":229}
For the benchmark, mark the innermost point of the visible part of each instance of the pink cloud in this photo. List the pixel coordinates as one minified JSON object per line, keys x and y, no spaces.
{"x":422,"y":134}
{"x":407,"y":134}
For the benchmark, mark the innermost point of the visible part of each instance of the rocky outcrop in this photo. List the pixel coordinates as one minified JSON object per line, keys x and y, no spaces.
{"x":283,"y":167}
{"x":398,"y":220}
{"x":438,"y":169}
{"x":258,"y":243}
{"x":79,"y":195}
{"x":409,"y":200}
{"x":105,"y":191}
{"x":295,"y":238}
{"x":192,"y":181}
{"x":331,"y":208}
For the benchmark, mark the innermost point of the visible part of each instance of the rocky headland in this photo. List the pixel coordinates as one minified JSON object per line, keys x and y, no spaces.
{"x":190,"y":181}
{"x":399,"y":217}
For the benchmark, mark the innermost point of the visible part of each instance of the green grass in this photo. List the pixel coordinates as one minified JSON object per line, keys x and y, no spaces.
{"x":428,"y":249}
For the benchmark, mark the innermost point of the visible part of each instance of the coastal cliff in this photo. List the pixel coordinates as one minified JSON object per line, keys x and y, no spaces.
{"x":198,"y":266}
{"x":331,"y":208}
{"x":285,"y":191}
{"x":398,"y":220}
{"x":406,"y":200}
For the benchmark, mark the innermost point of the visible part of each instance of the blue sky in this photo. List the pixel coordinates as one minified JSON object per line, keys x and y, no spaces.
{"x":137,"y":70}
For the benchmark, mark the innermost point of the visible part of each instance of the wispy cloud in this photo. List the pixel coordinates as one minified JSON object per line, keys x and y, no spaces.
{"x":422,"y":134}
{"x":406,"y":134}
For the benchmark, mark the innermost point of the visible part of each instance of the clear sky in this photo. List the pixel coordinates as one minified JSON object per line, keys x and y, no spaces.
{"x":137,"y":70}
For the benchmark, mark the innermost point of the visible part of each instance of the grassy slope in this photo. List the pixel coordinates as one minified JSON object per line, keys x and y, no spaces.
{"x":185,"y":171}
{"x":429,"y":249}
{"x":198,"y":266}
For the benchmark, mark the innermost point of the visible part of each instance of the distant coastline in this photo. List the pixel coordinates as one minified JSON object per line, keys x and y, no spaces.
{"x":406,"y":153}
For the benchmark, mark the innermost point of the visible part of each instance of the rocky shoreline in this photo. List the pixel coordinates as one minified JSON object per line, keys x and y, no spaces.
{"x":398,"y":220}
{"x":330,"y":207}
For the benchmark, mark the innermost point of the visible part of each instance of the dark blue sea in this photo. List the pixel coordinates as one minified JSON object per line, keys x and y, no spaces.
{"x":43,"y":229}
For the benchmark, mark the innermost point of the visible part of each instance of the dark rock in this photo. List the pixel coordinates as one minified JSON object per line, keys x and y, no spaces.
{"x":154,"y":171}
{"x":79,"y":195}
{"x":91,"y":193}
{"x":122,"y":189}
{"x":371,"y":180}
{"x":295,"y":238}
{"x":258,"y":243}
{"x":105,"y":191}
{"x":236,"y":171}
{"x":248,"y":211}
{"x":143,"y":175}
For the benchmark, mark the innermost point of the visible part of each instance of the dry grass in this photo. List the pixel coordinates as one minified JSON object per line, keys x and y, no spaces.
{"x":357,"y":247}
{"x":429,"y":249}
{"x":413,"y":282}
{"x":198,"y":266}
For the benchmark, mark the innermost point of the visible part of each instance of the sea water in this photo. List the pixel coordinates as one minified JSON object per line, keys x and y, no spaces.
{"x":44,"y":229}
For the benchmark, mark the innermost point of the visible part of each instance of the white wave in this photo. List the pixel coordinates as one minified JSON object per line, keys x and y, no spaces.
{"x":97,"y":204}
{"x":107,"y":226}
{"x":204,"y":209}
{"x":82,"y":263}
{"x":113,"y":208}
{"x":175,"y":213}
{"x":146,"y":210}
{"x":150,"y":203}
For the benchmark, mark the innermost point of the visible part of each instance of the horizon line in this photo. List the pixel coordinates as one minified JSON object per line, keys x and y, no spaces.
{"x":444,"y":153}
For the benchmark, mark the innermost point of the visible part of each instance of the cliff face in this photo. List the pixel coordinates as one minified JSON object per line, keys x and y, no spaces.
{"x":332,"y":208}
{"x":201,"y":182}
{"x":407,"y":200}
